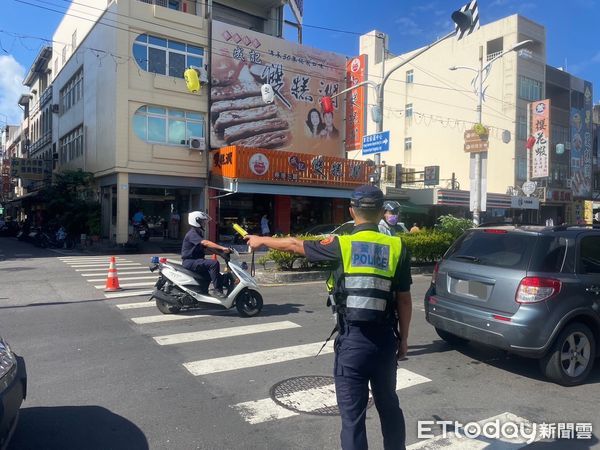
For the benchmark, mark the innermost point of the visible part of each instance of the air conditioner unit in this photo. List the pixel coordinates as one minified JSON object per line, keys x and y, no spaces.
{"x":197,"y":143}
{"x":202,"y":74}
{"x":56,"y":108}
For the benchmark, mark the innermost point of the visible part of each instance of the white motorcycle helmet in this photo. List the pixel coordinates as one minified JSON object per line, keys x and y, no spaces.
{"x":195,"y":218}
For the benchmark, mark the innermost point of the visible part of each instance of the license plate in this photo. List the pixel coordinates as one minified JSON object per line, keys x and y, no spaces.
{"x":471,"y":288}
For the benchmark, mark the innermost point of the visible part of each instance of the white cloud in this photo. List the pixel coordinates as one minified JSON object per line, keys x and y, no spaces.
{"x":11,"y":88}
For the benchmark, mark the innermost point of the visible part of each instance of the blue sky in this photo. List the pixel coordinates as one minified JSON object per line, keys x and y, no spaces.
{"x":571,"y":31}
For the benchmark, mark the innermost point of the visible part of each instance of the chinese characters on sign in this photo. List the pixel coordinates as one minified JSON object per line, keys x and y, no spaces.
{"x":355,"y":102}
{"x":540,"y":129}
{"x":287,"y":168}
{"x":30,"y":169}
{"x":581,"y":146}
{"x":242,"y":61}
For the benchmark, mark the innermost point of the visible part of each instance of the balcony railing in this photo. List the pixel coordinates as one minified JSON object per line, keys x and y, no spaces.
{"x":185,"y":6}
{"x":491,"y":56}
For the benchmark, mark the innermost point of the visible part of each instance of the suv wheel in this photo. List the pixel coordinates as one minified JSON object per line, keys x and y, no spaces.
{"x":450,"y":338}
{"x":571,"y":358}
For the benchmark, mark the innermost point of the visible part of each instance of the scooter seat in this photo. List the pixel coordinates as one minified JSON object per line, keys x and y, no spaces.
{"x":191,"y":273}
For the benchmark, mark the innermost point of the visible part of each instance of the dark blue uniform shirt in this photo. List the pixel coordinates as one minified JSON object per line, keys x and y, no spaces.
{"x":192,"y":247}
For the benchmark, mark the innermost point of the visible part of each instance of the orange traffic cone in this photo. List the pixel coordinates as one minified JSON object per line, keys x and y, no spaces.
{"x":112,"y":281}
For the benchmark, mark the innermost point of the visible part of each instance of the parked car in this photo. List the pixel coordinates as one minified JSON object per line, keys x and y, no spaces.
{"x":13,"y":390}
{"x":533,"y":291}
{"x":346,"y":228}
{"x":315,"y":230}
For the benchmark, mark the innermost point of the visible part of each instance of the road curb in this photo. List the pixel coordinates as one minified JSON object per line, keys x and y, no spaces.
{"x":275,"y":277}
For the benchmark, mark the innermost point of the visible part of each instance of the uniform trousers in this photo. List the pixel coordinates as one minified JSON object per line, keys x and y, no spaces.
{"x":366,"y":354}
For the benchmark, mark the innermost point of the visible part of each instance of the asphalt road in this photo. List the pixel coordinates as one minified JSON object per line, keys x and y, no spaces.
{"x":105,"y":373}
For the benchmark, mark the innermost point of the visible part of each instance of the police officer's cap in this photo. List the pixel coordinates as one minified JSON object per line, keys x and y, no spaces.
{"x":367,"y":196}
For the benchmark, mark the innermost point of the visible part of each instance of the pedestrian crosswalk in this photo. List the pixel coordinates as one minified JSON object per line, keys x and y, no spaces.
{"x":134,"y":278}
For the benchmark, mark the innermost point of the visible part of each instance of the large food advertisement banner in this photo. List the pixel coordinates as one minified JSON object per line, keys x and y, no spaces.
{"x":581,"y":146}
{"x":540,"y":128}
{"x":242,"y":61}
{"x":355,"y":102}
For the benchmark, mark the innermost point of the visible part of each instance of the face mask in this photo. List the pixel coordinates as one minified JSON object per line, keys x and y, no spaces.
{"x":392,"y":220}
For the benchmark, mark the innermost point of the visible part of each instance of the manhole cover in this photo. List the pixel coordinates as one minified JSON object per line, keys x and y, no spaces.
{"x":310,"y":394}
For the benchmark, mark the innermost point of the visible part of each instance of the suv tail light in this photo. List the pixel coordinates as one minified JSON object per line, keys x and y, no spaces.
{"x":435,"y":272}
{"x":536,"y":289}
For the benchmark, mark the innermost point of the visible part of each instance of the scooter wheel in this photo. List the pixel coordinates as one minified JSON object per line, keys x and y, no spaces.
{"x":249,"y":303}
{"x":166,"y":308}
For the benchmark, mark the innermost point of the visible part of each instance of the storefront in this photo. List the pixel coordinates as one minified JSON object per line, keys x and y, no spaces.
{"x":294,"y":190}
{"x":165,"y":202}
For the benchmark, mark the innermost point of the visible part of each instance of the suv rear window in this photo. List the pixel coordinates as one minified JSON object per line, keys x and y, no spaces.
{"x":495,"y":248}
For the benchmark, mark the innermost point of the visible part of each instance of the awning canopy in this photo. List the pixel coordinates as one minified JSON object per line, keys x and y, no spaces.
{"x":407,"y":207}
{"x":235,"y":186}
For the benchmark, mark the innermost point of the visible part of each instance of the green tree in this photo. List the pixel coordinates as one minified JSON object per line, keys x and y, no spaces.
{"x":454,"y":226}
{"x":71,"y":202}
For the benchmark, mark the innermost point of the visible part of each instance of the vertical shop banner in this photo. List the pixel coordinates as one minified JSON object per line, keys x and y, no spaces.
{"x":540,"y":129}
{"x":581,"y":146}
{"x":355,"y":102}
{"x":242,"y":61}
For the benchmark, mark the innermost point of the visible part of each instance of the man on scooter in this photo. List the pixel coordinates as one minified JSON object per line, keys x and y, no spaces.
{"x":194,"y":248}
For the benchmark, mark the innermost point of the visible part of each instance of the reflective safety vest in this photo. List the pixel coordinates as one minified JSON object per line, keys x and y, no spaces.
{"x":363,"y":289}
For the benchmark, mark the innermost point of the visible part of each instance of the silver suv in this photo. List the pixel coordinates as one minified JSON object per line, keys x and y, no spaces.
{"x":533,"y":291}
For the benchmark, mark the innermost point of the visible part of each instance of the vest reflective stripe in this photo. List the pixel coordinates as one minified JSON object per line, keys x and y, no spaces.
{"x":377,"y":304}
{"x":358,"y":282}
{"x":369,"y":261}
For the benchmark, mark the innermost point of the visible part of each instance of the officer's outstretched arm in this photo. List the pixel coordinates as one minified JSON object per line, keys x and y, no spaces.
{"x":286,"y":244}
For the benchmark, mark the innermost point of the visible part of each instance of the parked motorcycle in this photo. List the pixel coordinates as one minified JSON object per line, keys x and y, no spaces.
{"x":178,"y":288}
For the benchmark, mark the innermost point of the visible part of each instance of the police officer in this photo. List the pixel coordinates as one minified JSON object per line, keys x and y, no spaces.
{"x":371,"y":291}
{"x":193,"y":250}
{"x":389,"y":223}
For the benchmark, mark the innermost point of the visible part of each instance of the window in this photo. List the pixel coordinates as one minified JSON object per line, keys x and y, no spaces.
{"x":166,"y":57}
{"x":589,"y":258}
{"x":74,"y":41}
{"x":521,"y":168}
{"x":521,"y":127}
{"x":175,"y":4}
{"x":71,"y":145}
{"x":407,"y":143}
{"x":167,"y":126}
{"x":409,"y":76}
{"x":530,"y":89}
{"x":408,"y":110}
{"x":64,"y":55}
{"x":72,"y":91}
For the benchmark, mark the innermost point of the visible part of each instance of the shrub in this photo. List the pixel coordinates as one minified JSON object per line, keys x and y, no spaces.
{"x":427,"y":246}
{"x":287,"y":260}
{"x":454,"y":226}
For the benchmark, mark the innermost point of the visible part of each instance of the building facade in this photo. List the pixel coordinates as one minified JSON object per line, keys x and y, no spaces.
{"x":431,"y":101}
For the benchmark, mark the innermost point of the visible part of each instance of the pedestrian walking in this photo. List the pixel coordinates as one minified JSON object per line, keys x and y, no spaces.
{"x":370,"y":294}
{"x":264,"y":225}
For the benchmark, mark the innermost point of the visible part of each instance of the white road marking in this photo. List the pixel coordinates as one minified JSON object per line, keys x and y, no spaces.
{"x":128,"y":285}
{"x":255,"y":359}
{"x":105,"y":268}
{"x":128,"y":293}
{"x":137,"y":305}
{"x":266,"y":409}
{"x":207,"y":335}
{"x":124,"y":277}
{"x":165,"y":318}
{"x":119,"y":272}
{"x":83,"y":266}
{"x":89,"y":258}
{"x":453,"y":442}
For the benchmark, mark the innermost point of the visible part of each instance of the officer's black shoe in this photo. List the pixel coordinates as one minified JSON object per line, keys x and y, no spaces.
{"x":217,"y":293}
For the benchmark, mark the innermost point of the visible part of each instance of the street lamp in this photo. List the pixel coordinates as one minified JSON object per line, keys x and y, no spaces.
{"x":463,"y":21}
{"x":480,"y":71}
